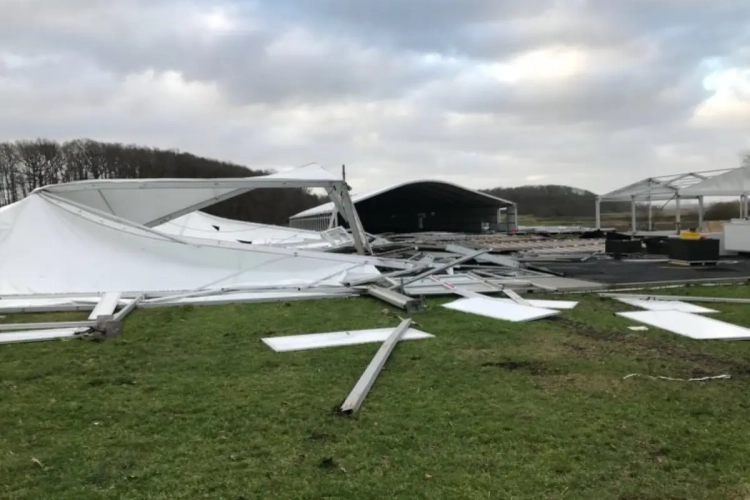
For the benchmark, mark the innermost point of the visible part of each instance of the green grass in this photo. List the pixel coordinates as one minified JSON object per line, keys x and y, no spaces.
{"x":190,"y":404}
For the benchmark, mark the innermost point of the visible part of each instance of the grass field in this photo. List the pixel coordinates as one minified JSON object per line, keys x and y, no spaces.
{"x":190,"y":404}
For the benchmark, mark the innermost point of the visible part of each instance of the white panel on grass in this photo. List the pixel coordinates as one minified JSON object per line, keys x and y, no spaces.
{"x":493,"y":308}
{"x":665,"y":305}
{"x":548,"y":304}
{"x":106,"y":306}
{"x":335,"y":339}
{"x":690,"y":325}
{"x":38,"y":335}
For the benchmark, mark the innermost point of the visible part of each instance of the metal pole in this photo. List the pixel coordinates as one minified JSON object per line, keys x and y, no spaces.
{"x":700,"y":213}
{"x":10,"y":327}
{"x":343,"y":203}
{"x":334,"y":219}
{"x":650,"y":215}
{"x":366,"y":381}
{"x":632,"y":216}
{"x":598,"y":212}
{"x":128,"y":308}
{"x":677,"y":217}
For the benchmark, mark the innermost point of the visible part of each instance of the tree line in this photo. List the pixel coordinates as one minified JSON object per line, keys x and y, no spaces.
{"x":555,"y":201}
{"x":29,"y":164}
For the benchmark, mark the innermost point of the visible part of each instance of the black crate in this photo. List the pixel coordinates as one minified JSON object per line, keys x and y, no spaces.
{"x":618,"y":247}
{"x":694,"y":250}
{"x":656,"y":246}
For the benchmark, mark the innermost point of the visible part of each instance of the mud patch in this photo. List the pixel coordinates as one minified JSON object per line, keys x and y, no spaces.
{"x":596,"y":344}
{"x":320,"y":436}
{"x":328,"y":463}
{"x":532,"y":367}
{"x":331,"y":465}
{"x":586,"y":330}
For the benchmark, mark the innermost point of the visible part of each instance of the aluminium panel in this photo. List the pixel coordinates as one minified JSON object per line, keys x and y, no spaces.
{"x":492,"y":308}
{"x":336,"y":339}
{"x":665,"y":305}
{"x":689,"y":325}
{"x":546,"y":304}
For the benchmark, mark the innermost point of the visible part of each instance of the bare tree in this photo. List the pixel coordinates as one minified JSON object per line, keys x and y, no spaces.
{"x":27,"y":165}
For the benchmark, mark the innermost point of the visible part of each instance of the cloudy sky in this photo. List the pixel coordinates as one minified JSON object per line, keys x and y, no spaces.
{"x":590,"y":93}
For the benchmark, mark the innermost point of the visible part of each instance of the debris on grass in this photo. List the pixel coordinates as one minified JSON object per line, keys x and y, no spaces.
{"x":660,"y":377}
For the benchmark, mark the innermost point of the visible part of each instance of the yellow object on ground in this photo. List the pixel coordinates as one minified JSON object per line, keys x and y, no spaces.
{"x":690,"y":235}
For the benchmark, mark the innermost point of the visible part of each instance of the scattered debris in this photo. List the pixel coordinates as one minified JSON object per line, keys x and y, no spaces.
{"x":408,"y":304}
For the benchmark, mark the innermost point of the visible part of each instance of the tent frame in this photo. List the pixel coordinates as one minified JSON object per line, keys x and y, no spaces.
{"x":238,"y":186}
{"x":666,"y":188}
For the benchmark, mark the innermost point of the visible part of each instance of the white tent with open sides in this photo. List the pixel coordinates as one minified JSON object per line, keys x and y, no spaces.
{"x":678,"y":187}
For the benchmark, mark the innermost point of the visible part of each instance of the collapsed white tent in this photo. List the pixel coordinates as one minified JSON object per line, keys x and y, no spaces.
{"x":49,"y":246}
{"x":205,"y":226}
{"x":151,"y":202}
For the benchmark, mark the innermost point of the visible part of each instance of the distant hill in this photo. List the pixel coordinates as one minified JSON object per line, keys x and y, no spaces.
{"x":555,"y":201}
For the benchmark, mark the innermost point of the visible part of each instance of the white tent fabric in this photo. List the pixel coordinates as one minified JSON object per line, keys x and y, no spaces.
{"x":206,"y":226}
{"x":151,"y":202}
{"x":733,"y":183}
{"x":48,"y":246}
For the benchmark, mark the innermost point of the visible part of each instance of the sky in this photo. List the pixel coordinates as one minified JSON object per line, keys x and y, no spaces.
{"x":484,"y":93}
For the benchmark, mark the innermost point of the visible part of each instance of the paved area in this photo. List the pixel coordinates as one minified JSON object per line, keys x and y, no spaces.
{"x":613,"y":272}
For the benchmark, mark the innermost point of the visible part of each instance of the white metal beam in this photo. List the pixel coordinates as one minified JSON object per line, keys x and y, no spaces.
{"x":366,"y":381}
